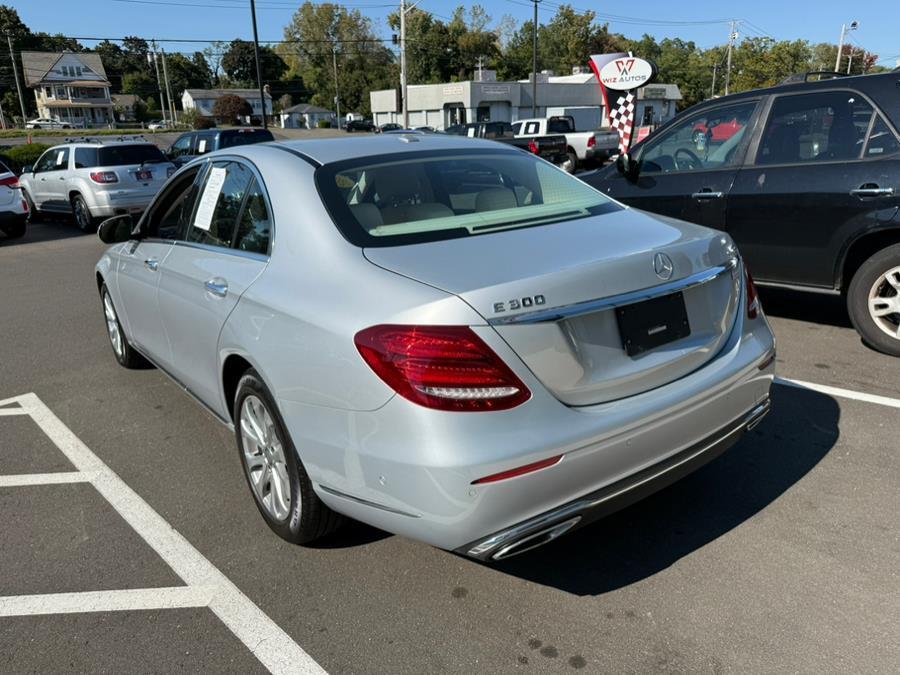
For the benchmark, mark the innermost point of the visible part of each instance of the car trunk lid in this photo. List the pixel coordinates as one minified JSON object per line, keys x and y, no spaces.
{"x":555,"y":293}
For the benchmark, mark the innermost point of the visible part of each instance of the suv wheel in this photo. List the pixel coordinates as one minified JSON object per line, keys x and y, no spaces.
{"x":281,"y":489}
{"x":873,"y":300}
{"x":570,"y":163}
{"x":15,"y":230}
{"x":83,"y":217}
{"x":33,"y":214}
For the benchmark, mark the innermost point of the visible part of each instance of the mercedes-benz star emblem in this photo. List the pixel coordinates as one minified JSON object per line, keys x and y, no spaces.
{"x":663,"y":266}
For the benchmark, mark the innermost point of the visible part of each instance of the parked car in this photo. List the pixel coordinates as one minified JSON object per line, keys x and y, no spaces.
{"x":195,"y":143}
{"x":717,"y":131}
{"x":550,"y":148}
{"x":159,"y":125}
{"x":359,"y":125}
{"x":808,"y":186}
{"x":406,"y":359}
{"x":428,"y":130}
{"x":582,"y":147}
{"x":13,"y":207}
{"x":47,"y":123}
{"x":93,"y":180}
{"x":390,"y":126}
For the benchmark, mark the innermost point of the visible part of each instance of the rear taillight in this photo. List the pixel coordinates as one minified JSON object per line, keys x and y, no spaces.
{"x":753,"y":305}
{"x":441,"y":367}
{"x":592,"y":141}
{"x":533,"y":147}
{"x":11,"y":182}
{"x":24,"y":205}
{"x":104,"y":177}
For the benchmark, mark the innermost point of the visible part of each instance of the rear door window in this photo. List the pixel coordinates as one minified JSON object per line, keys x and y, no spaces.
{"x":220,"y":202}
{"x":255,"y":224}
{"x":821,"y":127}
{"x":882,"y":141}
{"x":85,"y":158}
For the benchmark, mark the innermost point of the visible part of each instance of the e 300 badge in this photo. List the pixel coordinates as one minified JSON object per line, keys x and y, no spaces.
{"x":519,"y":303}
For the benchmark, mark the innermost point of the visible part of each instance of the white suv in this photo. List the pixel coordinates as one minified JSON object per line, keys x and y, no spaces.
{"x":13,"y":209}
{"x":94,"y":180}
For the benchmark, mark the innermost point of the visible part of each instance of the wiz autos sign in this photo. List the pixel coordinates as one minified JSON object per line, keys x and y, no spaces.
{"x":628,"y":72}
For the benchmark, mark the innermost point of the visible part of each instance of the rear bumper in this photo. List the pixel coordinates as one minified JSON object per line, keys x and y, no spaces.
{"x":544,"y":528}
{"x":106,"y":203}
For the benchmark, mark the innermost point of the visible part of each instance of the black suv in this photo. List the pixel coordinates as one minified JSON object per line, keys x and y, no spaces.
{"x":804,"y":176}
{"x":194,"y":143}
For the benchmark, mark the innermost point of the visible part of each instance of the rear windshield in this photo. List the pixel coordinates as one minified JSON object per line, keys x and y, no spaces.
{"x":230,"y":139}
{"x":430,"y":196}
{"x":121,"y":155}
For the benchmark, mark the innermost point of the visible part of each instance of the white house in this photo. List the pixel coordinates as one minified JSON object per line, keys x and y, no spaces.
{"x":305,"y":116}
{"x":70,"y":86}
{"x":486,"y":99}
{"x":203,"y":100}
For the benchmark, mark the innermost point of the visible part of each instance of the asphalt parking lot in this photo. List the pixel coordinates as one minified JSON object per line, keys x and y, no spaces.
{"x":129,"y":541}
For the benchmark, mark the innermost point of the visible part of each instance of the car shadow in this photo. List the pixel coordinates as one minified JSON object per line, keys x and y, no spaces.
{"x":653,"y":534}
{"x":49,"y":228}
{"x":819,"y":308}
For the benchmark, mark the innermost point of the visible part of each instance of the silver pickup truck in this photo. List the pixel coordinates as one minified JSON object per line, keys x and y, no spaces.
{"x":583,"y":147}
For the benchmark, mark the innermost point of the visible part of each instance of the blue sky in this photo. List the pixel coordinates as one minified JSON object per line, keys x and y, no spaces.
{"x":701,"y":21}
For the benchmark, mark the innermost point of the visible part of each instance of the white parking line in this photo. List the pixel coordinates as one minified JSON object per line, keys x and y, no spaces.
{"x":842,"y":393}
{"x":206,"y":585}
{"x":58,"y":478}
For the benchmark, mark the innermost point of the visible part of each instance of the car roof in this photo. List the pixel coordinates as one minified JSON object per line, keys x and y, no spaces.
{"x":328,"y":150}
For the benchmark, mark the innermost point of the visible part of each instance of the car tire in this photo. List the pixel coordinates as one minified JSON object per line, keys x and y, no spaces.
{"x":125,"y":354}
{"x":14,"y":231}
{"x":83,"y":217}
{"x":873,"y":300}
{"x":571,"y":162}
{"x":280,"y":486}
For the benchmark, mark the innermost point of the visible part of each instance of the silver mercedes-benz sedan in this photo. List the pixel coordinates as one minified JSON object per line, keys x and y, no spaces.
{"x":443,"y":337}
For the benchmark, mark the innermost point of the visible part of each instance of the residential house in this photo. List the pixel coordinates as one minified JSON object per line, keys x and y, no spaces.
{"x":305,"y":116}
{"x":125,"y":106}
{"x":203,"y":100}
{"x":70,"y":86}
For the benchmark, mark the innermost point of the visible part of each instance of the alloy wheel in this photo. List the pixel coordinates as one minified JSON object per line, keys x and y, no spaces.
{"x":82,"y":217}
{"x":884,"y":302}
{"x":112,"y":327}
{"x":263,"y":454}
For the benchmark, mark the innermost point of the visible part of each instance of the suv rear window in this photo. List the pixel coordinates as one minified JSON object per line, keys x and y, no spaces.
{"x":231,"y":139}
{"x":121,"y":155}
{"x":430,"y":196}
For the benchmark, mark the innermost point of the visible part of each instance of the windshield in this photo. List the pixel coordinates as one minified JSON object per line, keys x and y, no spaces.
{"x":431,"y":196}
{"x":121,"y":155}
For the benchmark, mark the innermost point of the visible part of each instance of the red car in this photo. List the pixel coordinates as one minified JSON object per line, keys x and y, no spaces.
{"x":718,"y":133}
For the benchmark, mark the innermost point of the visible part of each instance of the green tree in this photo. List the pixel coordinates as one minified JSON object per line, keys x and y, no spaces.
{"x":239,"y":63}
{"x":185,"y":73}
{"x":140,"y":84}
{"x":319,"y":33}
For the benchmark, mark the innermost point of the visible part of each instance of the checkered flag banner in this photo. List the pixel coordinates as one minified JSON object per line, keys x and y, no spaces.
{"x":621,"y":118}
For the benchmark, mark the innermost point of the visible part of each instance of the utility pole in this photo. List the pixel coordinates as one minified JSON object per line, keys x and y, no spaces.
{"x":162,"y":99}
{"x":262,"y":94}
{"x":732,"y":36}
{"x":404,"y":107}
{"x":12,"y":58}
{"x":337,"y":91}
{"x":712,"y":91}
{"x":844,"y":30}
{"x":168,"y":87}
{"x":534,"y":32}
{"x":2,"y":117}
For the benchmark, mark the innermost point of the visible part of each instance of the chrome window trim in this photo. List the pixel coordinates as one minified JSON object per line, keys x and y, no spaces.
{"x":218,"y":249}
{"x":600,"y":304}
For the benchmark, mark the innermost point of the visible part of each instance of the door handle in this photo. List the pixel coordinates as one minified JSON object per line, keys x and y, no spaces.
{"x":218,"y":287}
{"x":708,"y":194}
{"x":151,"y":264}
{"x":872,"y":190}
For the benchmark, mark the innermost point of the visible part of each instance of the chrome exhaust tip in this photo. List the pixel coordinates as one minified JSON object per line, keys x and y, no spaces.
{"x":535,"y":539}
{"x":757,"y":415}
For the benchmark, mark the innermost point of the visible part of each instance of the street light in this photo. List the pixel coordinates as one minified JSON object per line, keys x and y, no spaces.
{"x":844,"y":30}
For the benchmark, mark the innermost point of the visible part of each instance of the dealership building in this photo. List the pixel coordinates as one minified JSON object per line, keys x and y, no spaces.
{"x":486,"y":99}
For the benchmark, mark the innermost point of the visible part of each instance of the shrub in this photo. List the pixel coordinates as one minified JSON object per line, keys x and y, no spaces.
{"x":22,"y":155}
{"x":204,"y":123}
{"x":228,"y":109}
{"x":188,"y":118}
{"x":323,"y":124}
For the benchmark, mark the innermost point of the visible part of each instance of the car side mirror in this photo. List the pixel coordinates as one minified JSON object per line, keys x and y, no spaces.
{"x":628,"y":166}
{"x":117,"y":229}
{"x":28,"y":168}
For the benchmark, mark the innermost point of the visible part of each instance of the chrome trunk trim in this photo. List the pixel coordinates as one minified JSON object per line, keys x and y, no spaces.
{"x":366,"y":502}
{"x":600,"y":304}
